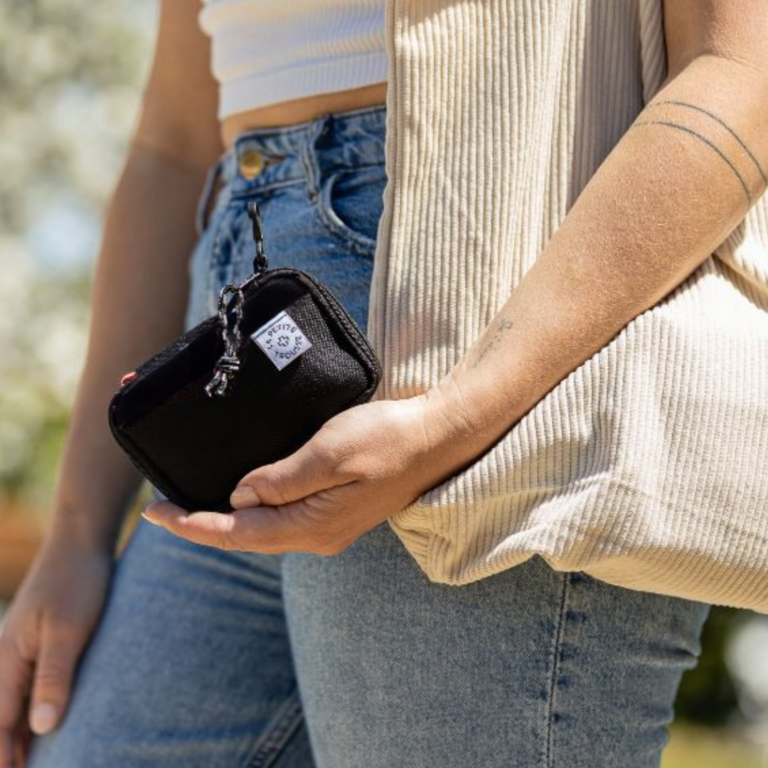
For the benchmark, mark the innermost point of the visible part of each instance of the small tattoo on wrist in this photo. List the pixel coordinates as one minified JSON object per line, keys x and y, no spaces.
{"x":502,"y":326}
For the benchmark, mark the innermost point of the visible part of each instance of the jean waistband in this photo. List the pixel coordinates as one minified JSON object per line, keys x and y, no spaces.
{"x":300,"y":151}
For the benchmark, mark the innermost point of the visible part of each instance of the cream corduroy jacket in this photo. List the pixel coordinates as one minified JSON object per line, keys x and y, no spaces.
{"x":647,"y":466}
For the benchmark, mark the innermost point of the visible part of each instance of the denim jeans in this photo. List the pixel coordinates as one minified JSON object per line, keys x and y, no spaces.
{"x":206,"y":657}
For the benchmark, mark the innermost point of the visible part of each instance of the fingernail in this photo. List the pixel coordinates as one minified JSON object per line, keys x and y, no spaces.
{"x":244,"y":495}
{"x":43,"y":718}
{"x":149,"y":519}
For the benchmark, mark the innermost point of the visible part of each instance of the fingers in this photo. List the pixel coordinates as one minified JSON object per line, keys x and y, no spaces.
{"x":9,"y":753}
{"x":52,"y":684}
{"x":15,"y":676}
{"x":238,"y":530}
{"x":22,"y":742}
{"x":294,"y":527}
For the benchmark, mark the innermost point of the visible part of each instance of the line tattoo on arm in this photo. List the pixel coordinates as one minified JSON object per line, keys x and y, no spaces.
{"x":502,"y":326}
{"x":707,"y":141}
{"x":723,"y":123}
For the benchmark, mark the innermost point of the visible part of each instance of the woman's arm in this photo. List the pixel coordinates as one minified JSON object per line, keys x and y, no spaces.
{"x":141,"y":281}
{"x":138,"y":299}
{"x":673,"y":188}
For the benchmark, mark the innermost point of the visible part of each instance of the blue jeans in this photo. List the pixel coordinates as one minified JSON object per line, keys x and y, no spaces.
{"x":212,"y":658}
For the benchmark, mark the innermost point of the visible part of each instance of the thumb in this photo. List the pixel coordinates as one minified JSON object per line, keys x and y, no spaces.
{"x":54,"y":672}
{"x":311,"y":468}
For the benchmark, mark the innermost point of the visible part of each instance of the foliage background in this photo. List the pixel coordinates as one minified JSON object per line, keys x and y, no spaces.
{"x":71,"y":78}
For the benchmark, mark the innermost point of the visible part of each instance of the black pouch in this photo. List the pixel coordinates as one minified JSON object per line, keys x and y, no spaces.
{"x":243,"y":388}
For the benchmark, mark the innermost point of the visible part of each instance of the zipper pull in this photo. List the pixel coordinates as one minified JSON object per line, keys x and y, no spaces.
{"x":229,"y":362}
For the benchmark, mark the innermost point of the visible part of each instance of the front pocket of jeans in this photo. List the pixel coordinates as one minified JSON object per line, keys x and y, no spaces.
{"x":350,"y":205}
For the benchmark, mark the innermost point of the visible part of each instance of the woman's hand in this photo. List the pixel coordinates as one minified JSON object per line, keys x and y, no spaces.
{"x":42,"y":637}
{"x":363,"y":465}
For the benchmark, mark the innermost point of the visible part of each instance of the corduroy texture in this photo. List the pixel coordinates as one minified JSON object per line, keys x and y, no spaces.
{"x":646,"y":466}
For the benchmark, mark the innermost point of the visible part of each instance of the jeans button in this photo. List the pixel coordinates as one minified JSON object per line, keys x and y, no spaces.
{"x":250,"y":163}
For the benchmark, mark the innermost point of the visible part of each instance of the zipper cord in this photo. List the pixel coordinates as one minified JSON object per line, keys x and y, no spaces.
{"x":229,"y":363}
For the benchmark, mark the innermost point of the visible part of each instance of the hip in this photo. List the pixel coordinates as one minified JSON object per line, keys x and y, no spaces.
{"x":319,"y":186}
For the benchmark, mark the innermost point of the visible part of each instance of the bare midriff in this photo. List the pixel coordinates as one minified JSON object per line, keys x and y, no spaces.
{"x":301,"y":110}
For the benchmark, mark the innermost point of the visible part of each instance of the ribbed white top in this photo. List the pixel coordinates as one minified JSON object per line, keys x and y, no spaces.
{"x":647,"y":466}
{"x":267,"y":51}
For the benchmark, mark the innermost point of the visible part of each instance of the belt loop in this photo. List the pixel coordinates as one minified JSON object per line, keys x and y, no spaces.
{"x":205,"y":195}
{"x":309,"y":154}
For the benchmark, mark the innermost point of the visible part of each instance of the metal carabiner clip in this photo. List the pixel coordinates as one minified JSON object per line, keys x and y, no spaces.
{"x":260,"y":262}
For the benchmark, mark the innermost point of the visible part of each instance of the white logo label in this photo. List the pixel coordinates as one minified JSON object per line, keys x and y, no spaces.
{"x":281,"y":339}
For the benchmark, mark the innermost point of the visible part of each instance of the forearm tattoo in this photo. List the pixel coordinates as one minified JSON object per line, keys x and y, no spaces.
{"x":502,"y":326}
{"x":739,"y":158}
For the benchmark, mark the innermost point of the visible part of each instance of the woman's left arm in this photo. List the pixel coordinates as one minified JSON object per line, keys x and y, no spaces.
{"x":672,"y":189}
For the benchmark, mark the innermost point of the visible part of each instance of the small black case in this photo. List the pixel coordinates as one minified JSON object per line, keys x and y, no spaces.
{"x":243,"y":388}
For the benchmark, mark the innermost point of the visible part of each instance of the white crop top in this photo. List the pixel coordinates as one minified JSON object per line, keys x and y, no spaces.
{"x":267,"y":51}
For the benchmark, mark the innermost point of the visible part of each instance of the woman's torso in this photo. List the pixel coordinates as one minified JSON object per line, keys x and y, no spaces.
{"x":300,"y":110}
{"x":280,"y":63}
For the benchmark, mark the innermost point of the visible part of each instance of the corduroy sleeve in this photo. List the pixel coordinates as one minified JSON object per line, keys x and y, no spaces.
{"x":645,"y":467}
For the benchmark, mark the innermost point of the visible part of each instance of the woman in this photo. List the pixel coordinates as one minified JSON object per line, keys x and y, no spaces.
{"x":307,"y":635}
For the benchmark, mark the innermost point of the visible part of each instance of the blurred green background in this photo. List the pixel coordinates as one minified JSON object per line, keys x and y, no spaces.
{"x":71,"y":77}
